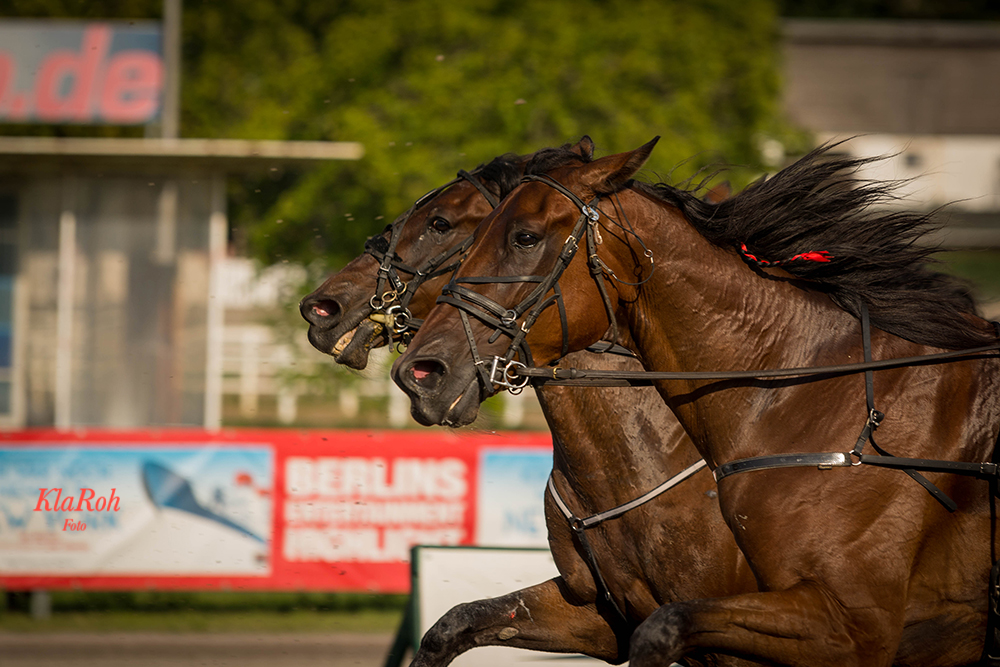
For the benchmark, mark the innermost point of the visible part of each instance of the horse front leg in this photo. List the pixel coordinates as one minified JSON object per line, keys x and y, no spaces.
{"x":542,"y":618}
{"x":801,"y":626}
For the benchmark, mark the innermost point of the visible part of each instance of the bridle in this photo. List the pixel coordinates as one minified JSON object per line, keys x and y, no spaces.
{"x":390,"y":303}
{"x":516,"y":322}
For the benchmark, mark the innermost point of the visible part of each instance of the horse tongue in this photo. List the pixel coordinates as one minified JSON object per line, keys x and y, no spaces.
{"x":355,"y":353}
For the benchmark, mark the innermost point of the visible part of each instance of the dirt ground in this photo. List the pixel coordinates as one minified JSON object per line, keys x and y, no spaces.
{"x":176,"y":649}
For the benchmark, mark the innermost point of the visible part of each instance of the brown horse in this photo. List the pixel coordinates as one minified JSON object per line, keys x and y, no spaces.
{"x":857,"y":565}
{"x":610,"y":446}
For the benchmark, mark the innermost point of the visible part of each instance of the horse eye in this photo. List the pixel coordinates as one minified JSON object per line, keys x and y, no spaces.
{"x":440,"y":225}
{"x":525,"y":239}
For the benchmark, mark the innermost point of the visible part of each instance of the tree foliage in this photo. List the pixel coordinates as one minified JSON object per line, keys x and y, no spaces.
{"x":431,"y":87}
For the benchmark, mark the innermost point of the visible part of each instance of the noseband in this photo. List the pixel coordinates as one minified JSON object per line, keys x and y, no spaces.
{"x":516,"y":322}
{"x":390,"y":303}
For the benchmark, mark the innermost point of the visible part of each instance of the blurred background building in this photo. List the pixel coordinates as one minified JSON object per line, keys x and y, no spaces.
{"x":923,"y":92}
{"x":114,"y":263}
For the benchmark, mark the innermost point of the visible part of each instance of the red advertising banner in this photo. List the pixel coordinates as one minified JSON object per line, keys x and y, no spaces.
{"x":257,"y":509}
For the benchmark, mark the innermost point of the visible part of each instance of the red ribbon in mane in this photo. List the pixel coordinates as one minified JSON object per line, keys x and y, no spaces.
{"x":812,"y":256}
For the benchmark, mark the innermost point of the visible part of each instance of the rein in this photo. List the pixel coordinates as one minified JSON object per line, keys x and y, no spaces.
{"x":570,"y":377}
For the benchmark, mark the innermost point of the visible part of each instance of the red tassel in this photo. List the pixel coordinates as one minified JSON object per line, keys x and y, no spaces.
{"x":815,"y":256}
{"x":812,"y":256}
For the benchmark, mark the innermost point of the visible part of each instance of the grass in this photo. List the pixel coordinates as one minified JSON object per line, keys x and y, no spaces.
{"x":254,"y":621}
{"x":154,"y":611}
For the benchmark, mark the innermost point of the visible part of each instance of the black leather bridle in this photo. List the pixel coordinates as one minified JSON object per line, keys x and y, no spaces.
{"x":515,"y":322}
{"x":390,"y":303}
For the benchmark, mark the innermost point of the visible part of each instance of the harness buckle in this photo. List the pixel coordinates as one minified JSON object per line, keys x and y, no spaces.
{"x":378,"y":302}
{"x":399,"y":317}
{"x":507,"y":376}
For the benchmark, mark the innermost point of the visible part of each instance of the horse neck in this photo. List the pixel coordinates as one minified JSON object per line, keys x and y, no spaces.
{"x":704,"y":309}
{"x":612,"y":444}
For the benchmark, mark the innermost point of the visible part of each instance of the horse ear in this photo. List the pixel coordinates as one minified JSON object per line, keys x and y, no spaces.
{"x":584,"y":148}
{"x":609,"y":174}
{"x":719,"y":193}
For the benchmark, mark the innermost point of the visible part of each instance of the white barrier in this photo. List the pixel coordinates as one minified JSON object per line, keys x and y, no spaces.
{"x":446,"y":576}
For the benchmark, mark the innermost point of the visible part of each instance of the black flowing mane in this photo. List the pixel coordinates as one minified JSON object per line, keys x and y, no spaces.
{"x":503,"y":173}
{"x":876,"y":255}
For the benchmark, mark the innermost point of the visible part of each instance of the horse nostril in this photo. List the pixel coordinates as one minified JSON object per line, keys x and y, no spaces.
{"x":321,"y":312}
{"x":427,"y":373}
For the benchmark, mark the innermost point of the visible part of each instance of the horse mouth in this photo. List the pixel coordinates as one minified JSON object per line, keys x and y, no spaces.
{"x":342,"y":343}
{"x":335,"y":340}
{"x":353,"y":347}
{"x":464,"y":409}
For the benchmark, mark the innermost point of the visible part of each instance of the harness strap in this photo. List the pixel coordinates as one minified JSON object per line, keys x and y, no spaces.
{"x":490,"y":197}
{"x":823,"y":461}
{"x":614,"y":513}
{"x":579,"y":526}
{"x":828,"y":460}
{"x":478,"y":363}
{"x":597,"y":271}
{"x":602,"y":346}
{"x":875,"y":418}
{"x":389,"y":262}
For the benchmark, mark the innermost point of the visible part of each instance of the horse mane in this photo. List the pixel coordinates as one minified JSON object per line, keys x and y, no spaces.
{"x":877,"y":256}
{"x":503,"y":173}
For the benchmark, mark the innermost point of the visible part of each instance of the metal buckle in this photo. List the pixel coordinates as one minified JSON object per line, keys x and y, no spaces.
{"x":377,"y":302}
{"x":507,"y":378}
{"x":399,"y":317}
{"x":593,"y":216}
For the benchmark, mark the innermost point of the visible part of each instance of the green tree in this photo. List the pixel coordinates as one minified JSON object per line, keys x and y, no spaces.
{"x":430,"y":88}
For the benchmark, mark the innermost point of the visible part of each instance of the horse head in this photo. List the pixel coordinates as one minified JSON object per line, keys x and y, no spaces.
{"x":512,"y":283}
{"x":376,"y":297}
